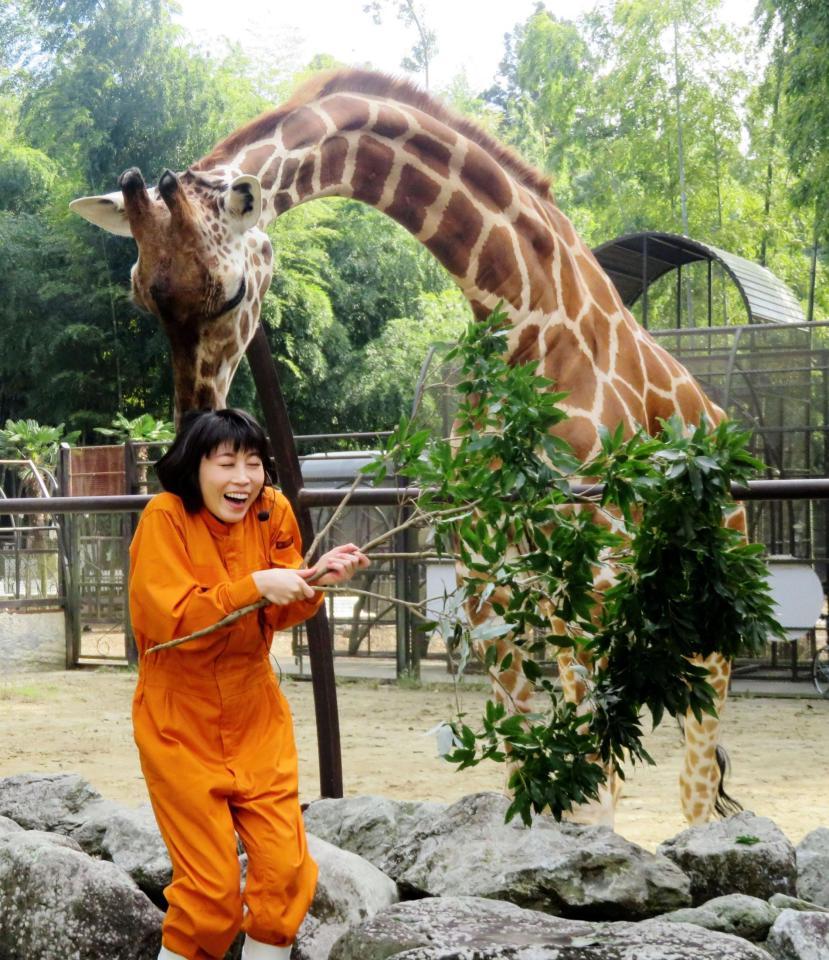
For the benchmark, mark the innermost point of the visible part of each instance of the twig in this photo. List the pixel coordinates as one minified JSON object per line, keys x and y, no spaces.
{"x":413,"y":606}
{"x":224,"y":622}
{"x":310,"y":551}
{"x":419,"y":518}
{"x":236,"y":614}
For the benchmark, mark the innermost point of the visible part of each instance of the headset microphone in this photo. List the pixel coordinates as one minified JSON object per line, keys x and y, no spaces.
{"x":263,"y":515}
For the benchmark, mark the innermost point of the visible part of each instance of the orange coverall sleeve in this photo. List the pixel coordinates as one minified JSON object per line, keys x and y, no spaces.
{"x":167,"y":599}
{"x":286,"y":552}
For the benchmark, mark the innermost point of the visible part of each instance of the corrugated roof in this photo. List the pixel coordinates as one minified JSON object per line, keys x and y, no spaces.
{"x":766,"y":297}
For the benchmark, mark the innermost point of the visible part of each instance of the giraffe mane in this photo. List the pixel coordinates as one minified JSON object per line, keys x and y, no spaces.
{"x":380,"y":85}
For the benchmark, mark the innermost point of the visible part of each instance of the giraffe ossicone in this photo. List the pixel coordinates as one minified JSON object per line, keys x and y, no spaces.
{"x":205,"y":262}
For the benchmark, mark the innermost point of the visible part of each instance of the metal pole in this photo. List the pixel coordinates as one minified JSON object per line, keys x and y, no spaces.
{"x":319,"y":634}
{"x":645,"y":282}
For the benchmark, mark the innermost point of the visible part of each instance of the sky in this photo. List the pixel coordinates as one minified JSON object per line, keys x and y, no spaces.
{"x":470,"y":32}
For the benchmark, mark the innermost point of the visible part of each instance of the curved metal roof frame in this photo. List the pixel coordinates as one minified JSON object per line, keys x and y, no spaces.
{"x":634,"y":261}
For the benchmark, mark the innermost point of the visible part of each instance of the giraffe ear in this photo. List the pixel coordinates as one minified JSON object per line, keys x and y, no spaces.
{"x":243,"y":202}
{"x":106,"y":212}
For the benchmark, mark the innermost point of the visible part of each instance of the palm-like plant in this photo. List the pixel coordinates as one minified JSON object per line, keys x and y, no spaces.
{"x":36,"y":442}
{"x":144,"y":429}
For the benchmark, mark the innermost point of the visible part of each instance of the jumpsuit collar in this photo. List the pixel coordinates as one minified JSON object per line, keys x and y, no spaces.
{"x":218,"y":527}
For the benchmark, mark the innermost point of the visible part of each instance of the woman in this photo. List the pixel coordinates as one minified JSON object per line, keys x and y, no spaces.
{"x":213,"y":729}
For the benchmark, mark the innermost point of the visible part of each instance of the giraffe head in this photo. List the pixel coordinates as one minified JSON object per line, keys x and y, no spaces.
{"x":203,"y":268}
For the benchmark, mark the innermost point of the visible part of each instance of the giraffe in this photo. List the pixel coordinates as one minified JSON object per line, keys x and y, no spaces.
{"x":205,"y":262}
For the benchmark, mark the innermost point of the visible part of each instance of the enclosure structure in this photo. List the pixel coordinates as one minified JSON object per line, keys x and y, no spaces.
{"x":741,"y":332}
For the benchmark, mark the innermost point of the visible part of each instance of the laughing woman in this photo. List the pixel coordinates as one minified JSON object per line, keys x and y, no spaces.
{"x":213,"y":729}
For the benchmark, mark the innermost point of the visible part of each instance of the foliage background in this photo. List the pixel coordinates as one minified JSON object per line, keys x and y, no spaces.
{"x":649,"y":114}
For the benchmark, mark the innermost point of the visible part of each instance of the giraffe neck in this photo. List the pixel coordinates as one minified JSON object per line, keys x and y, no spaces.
{"x":497,"y":236}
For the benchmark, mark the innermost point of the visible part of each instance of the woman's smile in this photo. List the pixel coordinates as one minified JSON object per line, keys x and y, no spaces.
{"x":230,"y":481}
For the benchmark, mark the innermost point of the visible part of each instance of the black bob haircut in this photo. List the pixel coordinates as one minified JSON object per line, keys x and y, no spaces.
{"x":200,"y":433}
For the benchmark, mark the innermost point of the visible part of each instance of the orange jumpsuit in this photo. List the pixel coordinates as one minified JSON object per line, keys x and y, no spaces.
{"x":213,"y":729}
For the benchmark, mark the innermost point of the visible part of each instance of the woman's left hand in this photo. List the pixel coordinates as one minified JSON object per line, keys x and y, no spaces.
{"x":339,"y":564}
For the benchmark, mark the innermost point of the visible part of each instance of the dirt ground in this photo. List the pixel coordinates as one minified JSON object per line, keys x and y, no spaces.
{"x":80,"y":722}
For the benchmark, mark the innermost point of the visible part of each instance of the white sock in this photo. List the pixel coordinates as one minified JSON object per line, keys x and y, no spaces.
{"x":169,"y":955}
{"x":254,"y":950}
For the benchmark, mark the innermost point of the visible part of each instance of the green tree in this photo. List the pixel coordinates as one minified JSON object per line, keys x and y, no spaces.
{"x":412,"y":14}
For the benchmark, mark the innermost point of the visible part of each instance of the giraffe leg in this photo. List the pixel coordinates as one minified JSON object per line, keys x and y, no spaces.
{"x":701,"y":787}
{"x":602,"y":811}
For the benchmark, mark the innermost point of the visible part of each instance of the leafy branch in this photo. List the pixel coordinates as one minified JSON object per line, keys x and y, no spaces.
{"x":685,"y":585}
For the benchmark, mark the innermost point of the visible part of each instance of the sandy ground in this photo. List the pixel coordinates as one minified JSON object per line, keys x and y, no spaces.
{"x":80,"y":722}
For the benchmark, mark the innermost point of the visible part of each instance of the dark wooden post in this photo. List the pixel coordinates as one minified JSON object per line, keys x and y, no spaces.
{"x":129,"y":522}
{"x":319,"y":634}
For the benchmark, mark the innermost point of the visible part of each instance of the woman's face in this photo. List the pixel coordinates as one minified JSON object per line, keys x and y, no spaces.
{"x":230,"y":481}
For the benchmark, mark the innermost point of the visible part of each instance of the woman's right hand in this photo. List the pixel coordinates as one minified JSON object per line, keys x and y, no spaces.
{"x":282,"y":585}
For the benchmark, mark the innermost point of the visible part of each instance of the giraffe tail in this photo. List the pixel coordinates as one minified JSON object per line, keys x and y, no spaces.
{"x":724,"y":805}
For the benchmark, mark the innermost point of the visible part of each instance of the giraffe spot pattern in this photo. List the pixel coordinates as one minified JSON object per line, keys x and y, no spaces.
{"x":485,"y":180}
{"x":580,"y":432}
{"x":613,"y":410}
{"x":429,"y":151}
{"x":562,"y":225}
{"x":628,"y":364}
{"x":348,"y":113}
{"x":459,"y":229}
{"x":305,"y":177}
{"x":414,"y":194}
{"x":526,"y":350}
{"x":497,"y":267}
{"x":254,"y":159}
{"x":566,"y":365}
{"x":597,"y":282}
{"x":374,"y":163}
{"x":333,"y":154}
{"x":271,"y":173}
{"x":302,"y":128}
{"x":390,"y":123}
{"x":655,"y":367}
{"x":288,"y":172}
{"x":571,"y":294}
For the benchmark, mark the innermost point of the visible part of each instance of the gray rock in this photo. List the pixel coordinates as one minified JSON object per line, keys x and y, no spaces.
{"x":130,"y":838}
{"x":468,"y":928}
{"x":558,"y":868}
{"x":368,"y":826}
{"x":799,"y":936}
{"x":55,"y":802}
{"x":813,"y":867}
{"x":57,"y":902}
{"x":9,"y":826}
{"x":719,"y":861}
{"x":738,"y":914}
{"x":349,"y":891}
{"x":782,"y":902}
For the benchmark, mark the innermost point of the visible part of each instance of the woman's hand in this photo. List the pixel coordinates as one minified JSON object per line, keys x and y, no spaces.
{"x":339,"y":566}
{"x":283,"y":585}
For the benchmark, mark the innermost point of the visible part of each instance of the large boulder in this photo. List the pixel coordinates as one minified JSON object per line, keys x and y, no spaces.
{"x":813,"y":867}
{"x":9,"y":826}
{"x":369,"y":826}
{"x":349,"y":891}
{"x":742,"y":854}
{"x":469,"y":928}
{"x":799,"y":936}
{"x":130,"y":838}
{"x":558,"y":868}
{"x":54,"y":802}
{"x":783,"y":902}
{"x":738,"y":914}
{"x":56,"y":901}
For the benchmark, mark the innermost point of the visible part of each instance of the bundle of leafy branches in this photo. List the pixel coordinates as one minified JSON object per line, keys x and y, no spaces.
{"x":684,"y":584}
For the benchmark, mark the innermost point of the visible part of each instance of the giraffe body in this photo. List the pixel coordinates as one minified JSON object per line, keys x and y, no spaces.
{"x":205,"y":264}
